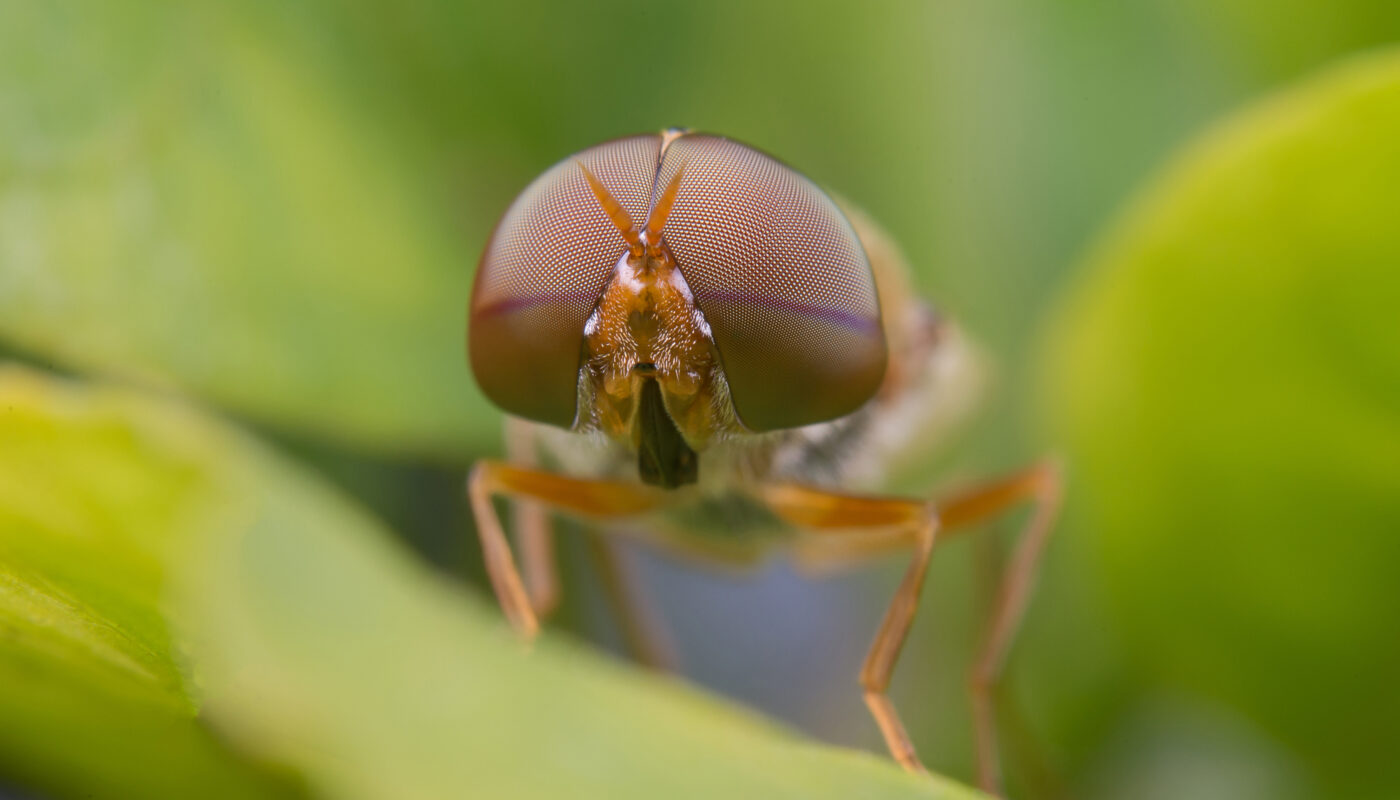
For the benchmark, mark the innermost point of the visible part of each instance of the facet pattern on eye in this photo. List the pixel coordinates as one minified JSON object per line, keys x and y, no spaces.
{"x":542,"y":273}
{"x":782,"y":280}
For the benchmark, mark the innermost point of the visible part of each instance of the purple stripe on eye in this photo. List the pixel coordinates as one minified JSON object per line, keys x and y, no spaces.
{"x":846,"y":319}
{"x":512,"y":304}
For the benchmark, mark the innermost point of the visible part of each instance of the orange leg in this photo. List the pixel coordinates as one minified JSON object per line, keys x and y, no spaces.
{"x":596,"y":499}
{"x":917,"y":524}
{"x":820,"y":512}
{"x":533,"y":531}
{"x":1042,"y":486}
{"x":535,"y":537}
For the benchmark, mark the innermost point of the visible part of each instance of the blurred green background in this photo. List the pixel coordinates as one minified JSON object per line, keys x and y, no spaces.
{"x":274,"y":210}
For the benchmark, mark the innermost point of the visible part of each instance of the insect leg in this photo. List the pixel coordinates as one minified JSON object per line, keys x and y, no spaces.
{"x":589,"y":498}
{"x":820,"y":512}
{"x":531,"y":526}
{"x":889,"y":640}
{"x":534,"y":534}
{"x":642,"y":633}
{"x":1042,"y":486}
{"x":535,"y":538}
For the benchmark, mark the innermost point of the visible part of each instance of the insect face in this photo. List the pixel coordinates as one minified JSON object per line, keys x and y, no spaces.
{"x":743,"y":295}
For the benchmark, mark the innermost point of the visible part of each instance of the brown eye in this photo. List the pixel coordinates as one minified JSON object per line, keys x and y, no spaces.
{"x":782,"y":280}
{"x":542,"y":272}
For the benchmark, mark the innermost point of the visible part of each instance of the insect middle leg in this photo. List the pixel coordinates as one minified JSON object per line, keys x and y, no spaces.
{"x":643,"y":634}
{"x":1041,"y":485}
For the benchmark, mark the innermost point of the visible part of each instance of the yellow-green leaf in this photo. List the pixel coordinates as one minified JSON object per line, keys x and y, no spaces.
{"x":1227,"y":376}
{"x":185,"y":200}
{"x":316,"y":642}
{"x":93,"y":696}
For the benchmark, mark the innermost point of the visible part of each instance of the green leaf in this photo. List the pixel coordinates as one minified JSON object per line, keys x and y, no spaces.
{"x":184,"y":200}
{"x":1225,"y":377}
{"x":317,"y":642}
{"x":91,"y":690}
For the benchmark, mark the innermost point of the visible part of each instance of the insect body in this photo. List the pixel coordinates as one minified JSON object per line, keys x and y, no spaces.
{"x":701,"y":344}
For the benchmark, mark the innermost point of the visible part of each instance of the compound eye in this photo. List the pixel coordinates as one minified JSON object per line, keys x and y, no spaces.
{"x":782,"y":280}
{"x":542,"y":273}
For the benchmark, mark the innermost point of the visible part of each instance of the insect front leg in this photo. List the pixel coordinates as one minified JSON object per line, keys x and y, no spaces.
{"x":845,"y":528}
{"x":532,"y":528}
{"x":860,"y":526}
{"x":878,"y":668}
{"x":534,"y":535}
{"x":602,"y":500}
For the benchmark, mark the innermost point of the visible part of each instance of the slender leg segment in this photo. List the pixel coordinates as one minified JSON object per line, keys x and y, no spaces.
{"x":642,"y":633}
{"x":879,"y":664}
{"x":535,"y":538}
{"x":865,"y":525}
{"x":836,"y":527}
{"x":596,"y":499}
{"x":823,"y":513}
{"x":1042,"y":486}
{"x":530,"y":523}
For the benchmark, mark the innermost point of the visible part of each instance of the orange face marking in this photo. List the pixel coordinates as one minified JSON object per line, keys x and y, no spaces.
{"x":646,"y":327}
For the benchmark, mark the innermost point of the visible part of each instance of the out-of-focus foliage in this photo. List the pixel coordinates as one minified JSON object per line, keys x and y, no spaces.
{"x":156,"y":564}
{"x":183,"y":200}
{"x":276,"y":207}
{"x":1226,"y":376}
{"x":93,"y":687}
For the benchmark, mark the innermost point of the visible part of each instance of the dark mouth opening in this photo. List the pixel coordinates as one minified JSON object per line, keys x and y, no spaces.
{"x":663,"y":457}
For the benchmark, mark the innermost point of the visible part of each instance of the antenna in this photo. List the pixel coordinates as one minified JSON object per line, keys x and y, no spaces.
{"x":662,"y":210}
{"x":615,"y":212}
